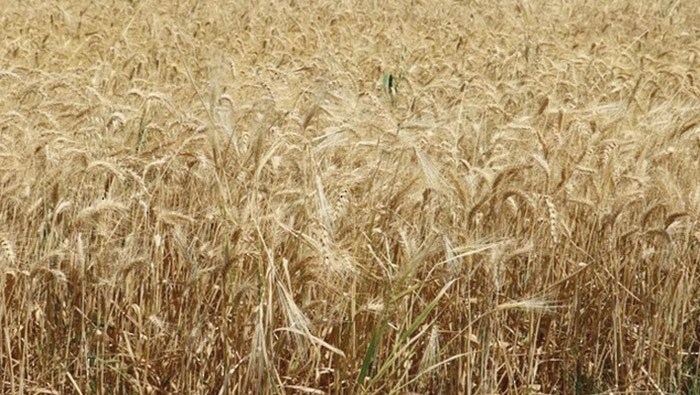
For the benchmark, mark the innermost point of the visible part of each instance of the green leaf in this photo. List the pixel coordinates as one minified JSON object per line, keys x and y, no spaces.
{"x":408,"y":332}
{"x":424,"y":314}
{"x":371,"y":351}
{"x":389,"y":83}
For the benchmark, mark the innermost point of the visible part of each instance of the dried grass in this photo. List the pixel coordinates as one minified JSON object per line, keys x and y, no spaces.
{"x":222,"y":197}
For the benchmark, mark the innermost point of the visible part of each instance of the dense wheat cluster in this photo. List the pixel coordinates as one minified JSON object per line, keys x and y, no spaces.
{"x":349,"y":197}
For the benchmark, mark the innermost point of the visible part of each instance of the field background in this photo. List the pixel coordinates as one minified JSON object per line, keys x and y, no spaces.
{"x":349,"y":196}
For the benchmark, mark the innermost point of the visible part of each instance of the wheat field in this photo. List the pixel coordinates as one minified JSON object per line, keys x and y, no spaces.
{"x":349,"y":196}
